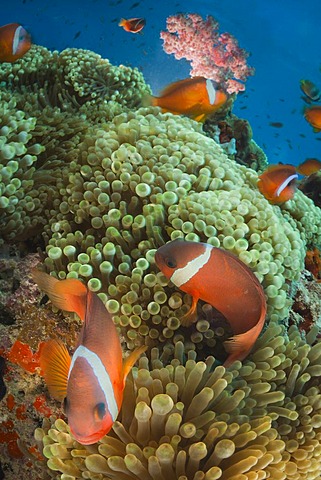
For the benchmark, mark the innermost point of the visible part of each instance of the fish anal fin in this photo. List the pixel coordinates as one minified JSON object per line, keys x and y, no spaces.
{"x":190,"y":316}
{"x":131,"y":360}
{"x":55,"y":363}
{"x":239,"y":346}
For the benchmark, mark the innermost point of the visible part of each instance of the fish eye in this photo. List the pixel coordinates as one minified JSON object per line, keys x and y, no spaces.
{"x":170,"y":262}
{"x":100,"y":411}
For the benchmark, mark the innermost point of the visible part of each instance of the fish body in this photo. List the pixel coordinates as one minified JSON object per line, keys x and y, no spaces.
{"x":309,"y":166}
{"x":92,"y":381}
{"x":194,"y":97}
{"x":278,"y":183}
{"x":310,"y":90}
{"x":133,"y":25}
{"x":15,"y":41}
{"x":313,"y":116}
{"x":222,"y":280}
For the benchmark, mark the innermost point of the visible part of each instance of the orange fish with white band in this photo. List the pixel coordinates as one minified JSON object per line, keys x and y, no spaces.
{"x":92,"y":382}
{"x":15,"y":41}
{"x":222,"y":280}
{"x":278,"y":183}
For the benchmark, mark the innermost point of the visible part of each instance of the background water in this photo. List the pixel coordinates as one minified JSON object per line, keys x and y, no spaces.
{"x":283,"y":37}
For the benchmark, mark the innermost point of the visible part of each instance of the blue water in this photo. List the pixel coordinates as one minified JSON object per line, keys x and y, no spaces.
{"x":283,"y":37}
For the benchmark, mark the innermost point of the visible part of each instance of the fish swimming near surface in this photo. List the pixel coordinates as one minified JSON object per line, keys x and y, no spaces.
{"x":310,"y":90}
{"x":278,"y":183}
{"x":195,"y":97}
{"x":313,"y":116}
{"x":92,"y":382}
{"x":221,"y":279}
{"x":15,"y":41}
{"x":309,"y":166}
{"x":133,"y":25}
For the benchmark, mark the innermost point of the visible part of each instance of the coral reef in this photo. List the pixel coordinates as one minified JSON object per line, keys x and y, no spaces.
{"x":150,"y":177}
{"x":25,"y":405}
{"x":71,"y":79}
{"x":187,"y":420}
{"x":235,"y":137}
{"x":100,"y":184}
{"x":48,"y":102}
{"x":311,"y":187}
{"x":313,"y":263}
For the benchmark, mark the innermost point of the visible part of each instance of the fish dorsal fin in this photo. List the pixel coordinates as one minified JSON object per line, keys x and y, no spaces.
{"x":69,"y":295}
{"x":55,"y":363}
{"x":172,"y":87}
{"x":131,"y":360}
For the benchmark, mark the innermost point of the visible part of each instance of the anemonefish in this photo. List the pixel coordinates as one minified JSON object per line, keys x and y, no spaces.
{"x":194,"y":97}
{"x":92,"y":382}
{"x":309,"y":166}
{"x":310,"y":90}
{"x":15,"y":41}
{"x":222,"y":280}
{"x":133,"y":25}
{"x":278,"y":183}
{"x":313,"y":116}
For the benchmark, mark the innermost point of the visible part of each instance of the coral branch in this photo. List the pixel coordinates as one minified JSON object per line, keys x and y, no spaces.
{"x":212,"y":55}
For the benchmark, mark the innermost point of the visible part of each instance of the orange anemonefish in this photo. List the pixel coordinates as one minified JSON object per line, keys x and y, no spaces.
{"x":309,"y":166}
{"x":133,"y":25}
{"x":222,"y":280}
{"x":313,"y":116}
{"x":15,"y":41}
{"x":277,"y":183}
{"x":310,"y":90}
{"x":194,"y":97}
{"x":92,"y":382}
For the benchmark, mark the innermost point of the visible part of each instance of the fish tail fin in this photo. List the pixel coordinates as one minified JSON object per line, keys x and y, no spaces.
{"x":149,"y":101}
{"x":239,"y":346}
{"x":69,"y":295}
{"x":131,"y":360}
{"x":55,"y":363}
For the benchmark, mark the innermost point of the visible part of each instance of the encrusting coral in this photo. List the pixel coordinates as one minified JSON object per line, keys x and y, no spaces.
{"x":188,"y":420}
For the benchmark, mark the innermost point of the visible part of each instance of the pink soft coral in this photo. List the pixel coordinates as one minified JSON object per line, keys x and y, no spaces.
{"x":214,"y":56}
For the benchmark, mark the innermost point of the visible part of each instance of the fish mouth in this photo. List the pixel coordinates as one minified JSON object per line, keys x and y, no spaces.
{"x":158,"y":259}
{"x":88,"y":440}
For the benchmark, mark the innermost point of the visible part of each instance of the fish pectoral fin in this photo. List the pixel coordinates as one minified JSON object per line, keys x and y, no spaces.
{"x":55,"y":363}
{"x":131,"y":360}
{"x":191,"y":316}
